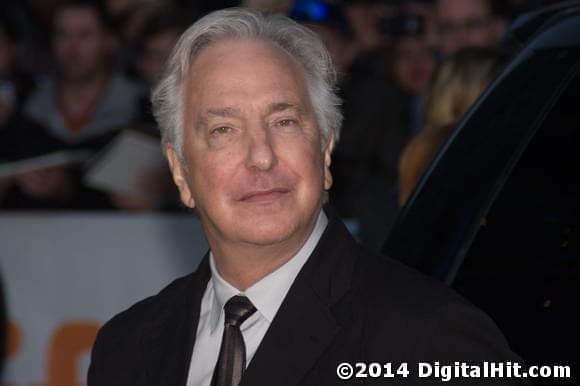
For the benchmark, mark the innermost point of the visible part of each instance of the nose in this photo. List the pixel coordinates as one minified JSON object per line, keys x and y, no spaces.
{"x":261,"y":153}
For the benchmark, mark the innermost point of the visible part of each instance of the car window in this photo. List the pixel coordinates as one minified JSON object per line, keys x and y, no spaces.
{"x":440,"y":220}
{"x":523,"y":267}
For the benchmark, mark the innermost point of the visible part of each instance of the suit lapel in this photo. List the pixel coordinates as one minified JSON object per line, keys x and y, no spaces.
{"x":292,"y":344}
{"x":304,"y":325}
{"x":169,"y":345}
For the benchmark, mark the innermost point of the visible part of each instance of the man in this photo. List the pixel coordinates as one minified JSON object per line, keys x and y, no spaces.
{"x":467,"y":23}
{"x":84,"y":98}
{"x":82,"y":105}
{"x":249,"y":121}
{"x":158,"y":32}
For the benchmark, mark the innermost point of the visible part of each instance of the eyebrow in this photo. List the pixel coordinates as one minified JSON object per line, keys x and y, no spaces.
{"x":283,"y":106}
{"x":226,"y":112}
{"x":231,"y":112}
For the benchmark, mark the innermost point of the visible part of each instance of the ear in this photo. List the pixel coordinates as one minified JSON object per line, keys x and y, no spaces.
{"x":178,"y":173}
{"x":327,"y":154}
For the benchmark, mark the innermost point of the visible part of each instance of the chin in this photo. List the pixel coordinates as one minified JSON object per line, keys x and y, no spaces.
{"x":268,"y":232}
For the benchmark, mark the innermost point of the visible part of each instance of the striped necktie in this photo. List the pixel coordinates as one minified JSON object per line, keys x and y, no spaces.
{"x":232,"y":358}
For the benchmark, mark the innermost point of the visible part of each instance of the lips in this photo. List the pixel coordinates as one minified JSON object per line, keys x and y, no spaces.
{"x":266,"y":195}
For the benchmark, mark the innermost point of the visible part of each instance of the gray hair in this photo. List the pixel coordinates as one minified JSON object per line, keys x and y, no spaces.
{"x":240,"y":23}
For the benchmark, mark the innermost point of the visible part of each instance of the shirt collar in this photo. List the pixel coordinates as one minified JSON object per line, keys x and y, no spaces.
{"x":268,"y":293}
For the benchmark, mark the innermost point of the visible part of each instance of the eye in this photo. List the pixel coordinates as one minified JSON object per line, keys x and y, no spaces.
{"x":221,"y":130}
{"x":287,"y":122}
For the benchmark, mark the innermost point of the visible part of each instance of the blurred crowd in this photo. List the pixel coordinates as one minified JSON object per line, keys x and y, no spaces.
{"x":75,"y":74}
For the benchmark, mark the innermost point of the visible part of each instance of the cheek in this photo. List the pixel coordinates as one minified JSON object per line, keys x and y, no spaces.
{"x":305,"y":161}
{"x":212,"y":176}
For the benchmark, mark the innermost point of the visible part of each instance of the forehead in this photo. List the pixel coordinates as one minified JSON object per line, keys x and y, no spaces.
{"x":462,"y":8}
{"x":77,"y":16}
{"x":245,"y":71}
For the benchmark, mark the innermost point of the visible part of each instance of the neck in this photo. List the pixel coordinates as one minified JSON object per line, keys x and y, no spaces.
{"x":76,"y":94}
{"x":243,"y":265}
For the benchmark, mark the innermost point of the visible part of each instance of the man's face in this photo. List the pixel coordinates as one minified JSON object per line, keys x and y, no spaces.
{"x":255,"y":167}
{"x":151,"y":62}
{"x":413,"y":63}
{"x":80,"y":43}
{"x":465,"y":23}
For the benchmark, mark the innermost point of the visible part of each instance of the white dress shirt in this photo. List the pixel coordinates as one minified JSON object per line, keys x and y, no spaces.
{"x":266,"y":295}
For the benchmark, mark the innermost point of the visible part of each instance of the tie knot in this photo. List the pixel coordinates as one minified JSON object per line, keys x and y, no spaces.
{"x":238,"y":309}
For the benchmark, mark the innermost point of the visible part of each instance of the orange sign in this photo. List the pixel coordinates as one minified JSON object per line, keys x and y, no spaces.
{"x":67,"y":344}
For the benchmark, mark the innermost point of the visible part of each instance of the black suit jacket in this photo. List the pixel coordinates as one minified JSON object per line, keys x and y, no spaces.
{"x":346,"y":305}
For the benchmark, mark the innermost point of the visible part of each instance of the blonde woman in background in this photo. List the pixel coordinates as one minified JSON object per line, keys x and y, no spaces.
{"x":455,"y":86}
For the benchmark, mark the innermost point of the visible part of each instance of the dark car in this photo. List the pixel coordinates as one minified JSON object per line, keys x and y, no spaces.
{"x":497,"y":214}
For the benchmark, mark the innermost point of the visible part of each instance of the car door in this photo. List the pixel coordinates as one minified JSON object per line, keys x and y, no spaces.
{"x":497,"y":215}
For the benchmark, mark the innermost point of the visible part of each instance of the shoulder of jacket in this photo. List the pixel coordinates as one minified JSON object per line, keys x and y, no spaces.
{"x":145,"y":311}
{"x":387,"y":281}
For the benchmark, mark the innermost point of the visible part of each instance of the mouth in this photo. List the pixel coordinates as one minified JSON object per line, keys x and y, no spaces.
{"x":263,"y":196}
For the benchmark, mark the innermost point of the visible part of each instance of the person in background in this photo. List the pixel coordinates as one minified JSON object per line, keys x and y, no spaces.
{"x":281,"y":7}
{"x":8,"y":88}
{"x":363,"y":18}
{"x":413,"y":60}
{"x":15,"y":85}
{"x":159,"y":29}
{"x":457,"y":83}
{"x":82,"y":104}
{"x":380,"y":108}
{"x":122,"y":10}
{"x":328,"y":21}
{"x":158,"y":33}
{"x":85,"y":97}
{"x":467,"y":23}
{"x":133,"y":18}
{"x":338,"y":44}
